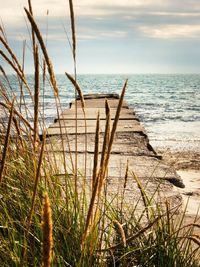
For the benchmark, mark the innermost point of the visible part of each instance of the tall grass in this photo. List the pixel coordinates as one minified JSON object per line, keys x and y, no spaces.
{"x":48,"y":220}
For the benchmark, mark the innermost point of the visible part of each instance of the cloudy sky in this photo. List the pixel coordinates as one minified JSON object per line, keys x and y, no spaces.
{"x":115,"y":36}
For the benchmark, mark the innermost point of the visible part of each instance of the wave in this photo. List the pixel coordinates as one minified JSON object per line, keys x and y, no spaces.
{"x":158,"y":100}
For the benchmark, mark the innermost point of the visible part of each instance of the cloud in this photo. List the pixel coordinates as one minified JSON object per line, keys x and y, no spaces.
{"x":94,"y":35}
{"x":10,"y":9}
{"x":114,"y":18}
{"x":137,"y":31}
{"x":171,"y":31}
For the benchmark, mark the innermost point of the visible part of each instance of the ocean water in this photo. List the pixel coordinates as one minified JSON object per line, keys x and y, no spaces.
{"x":167,"y":105}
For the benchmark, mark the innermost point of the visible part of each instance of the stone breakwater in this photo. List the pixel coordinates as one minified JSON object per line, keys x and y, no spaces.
{"x":131,"y":144}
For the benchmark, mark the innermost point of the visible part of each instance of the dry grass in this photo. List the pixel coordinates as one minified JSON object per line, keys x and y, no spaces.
{"x":96,"y":152}
{"x":36,"y":97}
{"x":5,"y":44}
{"x":6,"y":144}
{"x":34,"y":49}
{"x":44,"y":50}
{"x":78,"y":89}
{"x":73,"y":28}
{"x":18,"y":72}
{"x":47,"y":229}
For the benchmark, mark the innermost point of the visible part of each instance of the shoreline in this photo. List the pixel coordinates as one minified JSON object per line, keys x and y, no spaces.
{"x":187,"y":165}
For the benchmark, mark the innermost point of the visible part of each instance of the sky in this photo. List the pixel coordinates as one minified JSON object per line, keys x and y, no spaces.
{"x":115,"y":36}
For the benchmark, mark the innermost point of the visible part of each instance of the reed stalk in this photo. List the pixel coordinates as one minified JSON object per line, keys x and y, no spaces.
{"x":33,"y":36}
{"x":89,"y":213}
{"x":114,"y":127}
{"x":7,"y":138}
{"x":95,"y":184}
{"x":126,"y":177}
{"x":73,"y":32}
{"x":36,"y":97}
{"x":11,"y":54}
{"x":6,"y":77}
{"x":51,"y":75}
{"x":195,"y":240}
{"x":2,"y":30}
{"x":18,"y":72}
{"x":21,"y":117}
{"x":103,"y":169}
{"x":139,"y":233}
{"x":96,"y":152}
{"x":44,"y":50}
{"x":37,"y":177}
{"x":120,"y":231}
{"x":4,"y":93}
{"x":143,"y":194}
{"x":22,"y":80}
{"x":78,"y":89}
{"x":106,"y":134}
{"x":125,"y":184}
{"x":47,"y":232}
{"x":79,"y":92}
{"x":43,"y":86}
{"x":19,"y":131}
{"x":72,"y":19}
{"x":31,"y":211}
{"x":104,"y":149}
{"x":21,"y":83}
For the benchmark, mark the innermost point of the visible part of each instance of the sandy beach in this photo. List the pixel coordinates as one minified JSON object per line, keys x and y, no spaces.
{"x":187,"y":165}
{"x":191,"y":192}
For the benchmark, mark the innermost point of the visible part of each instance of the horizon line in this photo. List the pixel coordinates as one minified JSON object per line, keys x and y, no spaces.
{"x":125,"y":73}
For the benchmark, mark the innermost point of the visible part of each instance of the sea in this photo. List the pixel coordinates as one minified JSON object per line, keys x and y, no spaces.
{"x":168,"y":105}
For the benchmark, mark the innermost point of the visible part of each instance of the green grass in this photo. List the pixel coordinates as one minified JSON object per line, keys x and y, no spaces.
{"x":163,"y":243}
{"x":86,"y":231}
